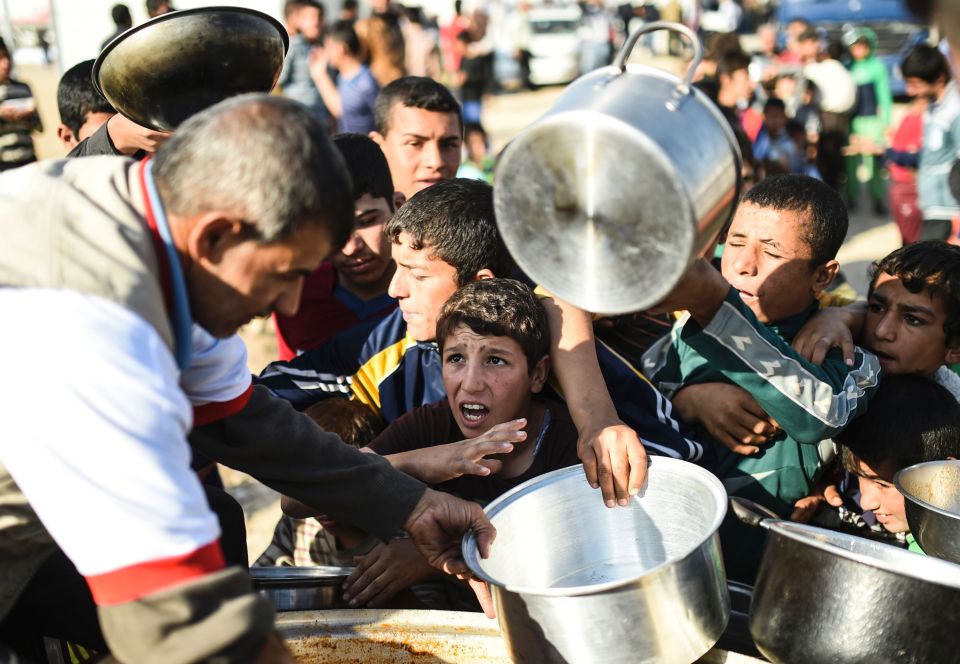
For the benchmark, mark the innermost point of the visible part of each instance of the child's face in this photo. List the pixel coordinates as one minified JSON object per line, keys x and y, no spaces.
{"x":775,"y":120}
{"x":860,"y":50}
{"x":770,"y":263}
{"x":365,"y":258}
{"x":5,"y":66}
{"x":879,"y":495}
{"x":422,"y":283}
{"x":476,"y":146}
{"x":422,"y":147}
{"x":905,"y":329}
{"x":487,"y":380}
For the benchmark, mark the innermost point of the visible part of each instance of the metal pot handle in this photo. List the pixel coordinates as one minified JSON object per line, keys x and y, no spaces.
{"x":683,"y":89}
{"x":751,"y":513}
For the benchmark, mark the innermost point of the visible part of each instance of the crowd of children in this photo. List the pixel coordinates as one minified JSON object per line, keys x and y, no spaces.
{"x":422,"y":342}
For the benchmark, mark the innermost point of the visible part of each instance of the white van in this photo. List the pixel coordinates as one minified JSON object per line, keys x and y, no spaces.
{"x":554,"y":44}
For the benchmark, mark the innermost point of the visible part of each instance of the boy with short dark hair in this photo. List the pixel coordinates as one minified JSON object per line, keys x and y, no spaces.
{"x":492,"y":432}
{"x":911,"y":419}
{"x":82,"y":108}
{"x":350,"y":290}
{"x":779,"y":256}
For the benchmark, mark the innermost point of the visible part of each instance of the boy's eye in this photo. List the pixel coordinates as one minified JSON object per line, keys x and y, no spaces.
{"x":454,"y":358}
{"x":913,"y":320}
{"x":875,"y":307}
{"x":493,"y":359}
{"x":772,"y":255}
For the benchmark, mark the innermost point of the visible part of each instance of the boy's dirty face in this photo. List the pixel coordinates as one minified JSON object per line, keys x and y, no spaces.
{"x":487,"y":380}
{"x":905,"y":329}
{"x":879,"y":495}
{"x":365,"y":257}
{"x":769,"y":262}
{"x":422,"y":283}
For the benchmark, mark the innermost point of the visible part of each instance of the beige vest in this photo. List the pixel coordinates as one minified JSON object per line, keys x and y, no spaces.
{"x":76,"y":224}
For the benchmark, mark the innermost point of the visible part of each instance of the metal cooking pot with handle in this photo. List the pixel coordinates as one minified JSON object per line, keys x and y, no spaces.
{"x":574,"y":581}
{"x":825,"y":596}
{"x":606,"y":198}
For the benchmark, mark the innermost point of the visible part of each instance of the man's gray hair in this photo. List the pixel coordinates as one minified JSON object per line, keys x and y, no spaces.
{"x":263,"y":158}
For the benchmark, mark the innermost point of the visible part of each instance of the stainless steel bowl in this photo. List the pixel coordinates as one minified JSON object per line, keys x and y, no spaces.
{"x":574,"y":581}
{"x":931,"y":494}
{"x":162,"y":72}
{"x":301,"y":588}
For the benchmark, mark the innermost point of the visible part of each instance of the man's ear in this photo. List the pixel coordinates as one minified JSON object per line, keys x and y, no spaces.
{"x":538,"y":377}
{"x":485,"y":273}
{"x":67,"y":137}
{"x":399,"y":198}
{"x":212,"y":233}
{"x":377,"y":137}
{"x":825,"y":274}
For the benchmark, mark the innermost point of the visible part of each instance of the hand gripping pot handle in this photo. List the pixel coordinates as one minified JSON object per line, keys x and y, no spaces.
{"x":682,"y":90}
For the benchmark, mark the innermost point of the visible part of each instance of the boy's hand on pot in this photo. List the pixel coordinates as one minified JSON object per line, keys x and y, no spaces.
{"x":613,"y":460}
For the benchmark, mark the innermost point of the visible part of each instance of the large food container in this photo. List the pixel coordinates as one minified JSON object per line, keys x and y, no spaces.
{"x":575,"y":581}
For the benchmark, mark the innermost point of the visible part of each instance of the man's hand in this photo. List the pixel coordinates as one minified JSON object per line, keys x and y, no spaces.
{"x":728,"y":413}
{"x":437,"y":524}
{"x":614,"y":460}
{"x":805,"y":508}
{"x":385,"y":571}
{"x":827,"y":329}
{"x":129,"y":138}
{"x":433,"y":465}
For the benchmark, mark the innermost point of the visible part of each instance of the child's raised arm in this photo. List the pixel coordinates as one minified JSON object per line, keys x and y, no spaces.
{"x":831,"y":327}
{"x":441,"y":463}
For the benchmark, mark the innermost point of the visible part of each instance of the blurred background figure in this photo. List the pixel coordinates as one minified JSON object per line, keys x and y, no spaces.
{"x":157,"y":8}
{"x":596,"y":36}
{"x":304,"y":20}
{"x":477,"y":163}
{"x":349,"y":11}
{"x":383,"y":42}
{"x":122,"y":21}
{"x":18,"y":116}
{"x":421,"y":44}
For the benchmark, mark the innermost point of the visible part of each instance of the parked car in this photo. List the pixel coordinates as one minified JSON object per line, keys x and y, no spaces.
{"x":554,"y":45}
{"x":897,"y":29}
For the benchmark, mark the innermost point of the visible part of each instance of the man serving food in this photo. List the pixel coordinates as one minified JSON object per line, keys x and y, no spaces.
{"x":138,"y":276}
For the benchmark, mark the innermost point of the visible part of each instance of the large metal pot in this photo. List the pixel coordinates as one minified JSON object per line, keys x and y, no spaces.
{"x":825,"y":596}
{"x":301,"y":588}
{"x":931,"y":493}
{"x":574,"y":581}
{"x":607,"y":197}
{"x":165,"y":70}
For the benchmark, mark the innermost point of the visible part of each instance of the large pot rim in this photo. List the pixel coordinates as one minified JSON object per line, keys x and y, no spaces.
{"x":298,"y":577}
{"x":905,"y":563}
{"x":471,"y":552}
{"x":897,"y":481}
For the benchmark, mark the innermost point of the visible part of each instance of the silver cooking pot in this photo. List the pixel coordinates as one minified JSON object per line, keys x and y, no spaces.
{"x":574,"y":581}
{"x":825,"y":596}
{"x":606,"y":198}
{"x":301,"y":588}
{"x":931,"y":493}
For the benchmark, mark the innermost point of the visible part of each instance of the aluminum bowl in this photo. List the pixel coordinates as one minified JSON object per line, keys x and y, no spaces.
{"x":574,"y":581}
{"x":160,"y":73}
{"x":931,"y":494}
{"x":301,"y":588}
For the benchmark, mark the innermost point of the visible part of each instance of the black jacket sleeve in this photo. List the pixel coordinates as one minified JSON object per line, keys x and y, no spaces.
{"x":288,"y":452}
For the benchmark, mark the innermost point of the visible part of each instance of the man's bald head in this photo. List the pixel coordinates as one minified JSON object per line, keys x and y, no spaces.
{"x":263,"y":158}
